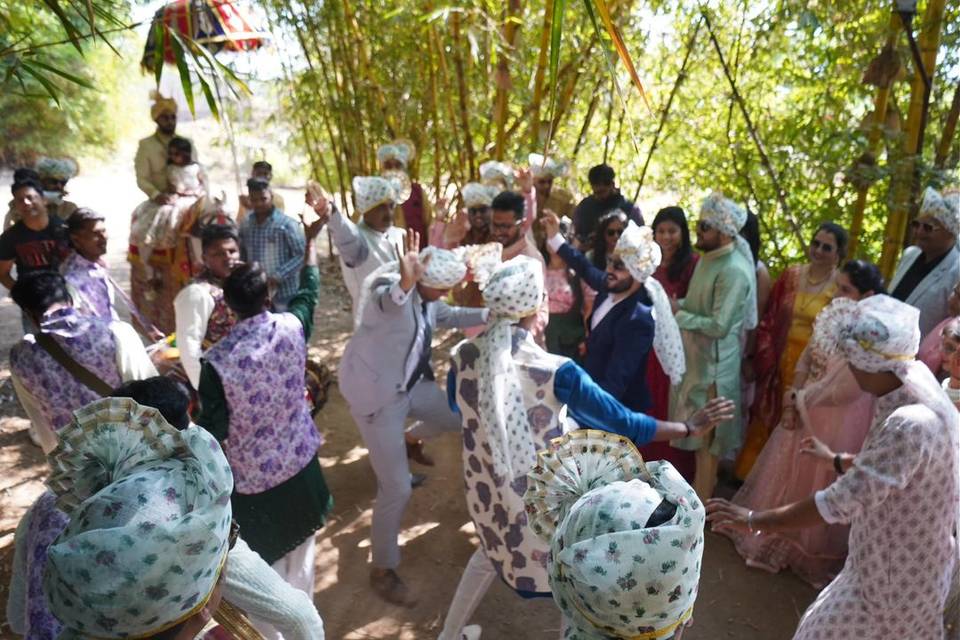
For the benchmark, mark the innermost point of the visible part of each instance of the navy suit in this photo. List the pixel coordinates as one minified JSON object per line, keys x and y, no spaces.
{"x":618,"y":347}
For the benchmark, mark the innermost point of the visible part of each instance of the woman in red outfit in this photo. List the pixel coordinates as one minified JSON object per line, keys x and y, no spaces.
{"x":671,"y":232}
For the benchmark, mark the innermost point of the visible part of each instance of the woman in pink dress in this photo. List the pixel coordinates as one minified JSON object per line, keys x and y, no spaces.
{"x":930,"y":352}
{"x":825,"y":403}
{"x":672,"y":234}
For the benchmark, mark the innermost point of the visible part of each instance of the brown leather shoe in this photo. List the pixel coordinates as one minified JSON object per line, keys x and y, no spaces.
{"x":416,"y":453}
{"x":388,"y":585}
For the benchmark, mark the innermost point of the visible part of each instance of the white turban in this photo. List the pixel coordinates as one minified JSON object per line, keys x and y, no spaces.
{"x":545,"y":167}
{"x":478,"y":195}
{"x":944,"y":208}
{"x":728,"y":217}
{"x":883,"y":334}
{"x":641,"y":255}
{"x":514,"y":291}
{"x":444,"y":270}
{"x":616,"y":571}
{"x":498,"y":174}
{"x":400,"y":150}
{"x":57,"y":168}
{"x":372,"y":191}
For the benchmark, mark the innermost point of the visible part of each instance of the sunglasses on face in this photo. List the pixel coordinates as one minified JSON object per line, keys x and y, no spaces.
{"x":826,"y":247}
{"x":614,"y":232}
{"x":703,"y":225}
{"x":477,"y":211}
{"x":928,"y":227}
{"x":616,"y":264}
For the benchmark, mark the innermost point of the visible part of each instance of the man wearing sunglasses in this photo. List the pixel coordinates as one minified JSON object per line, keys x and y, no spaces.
{"x":930,"y":268}
{"x":621,"y":327}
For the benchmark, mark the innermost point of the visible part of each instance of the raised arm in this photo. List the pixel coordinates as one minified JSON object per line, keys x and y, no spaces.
{"x":304,"y":301}
{"x":596,"y":278}
{"x":350,"y":244}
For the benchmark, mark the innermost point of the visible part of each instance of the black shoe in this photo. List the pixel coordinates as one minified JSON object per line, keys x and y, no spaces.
{"x":417,"y":479}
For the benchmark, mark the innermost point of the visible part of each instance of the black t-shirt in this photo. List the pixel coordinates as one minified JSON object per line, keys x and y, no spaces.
{"x":919,"y":270}
{"x":590,"y":210}
{"x":34,"y":250}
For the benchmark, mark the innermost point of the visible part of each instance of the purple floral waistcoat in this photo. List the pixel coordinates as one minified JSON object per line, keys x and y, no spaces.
{"x":46,"y":523}
{"x":90,"y":281}
{"x":89,"y":341}
{"x":272,"y":436}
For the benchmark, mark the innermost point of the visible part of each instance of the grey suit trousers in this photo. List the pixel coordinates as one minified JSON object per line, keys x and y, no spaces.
{"x":383,"y":434}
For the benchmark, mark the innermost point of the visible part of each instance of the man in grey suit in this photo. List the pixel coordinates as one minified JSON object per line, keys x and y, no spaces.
{"x":385,"y":376}
{"x":930,"y":268}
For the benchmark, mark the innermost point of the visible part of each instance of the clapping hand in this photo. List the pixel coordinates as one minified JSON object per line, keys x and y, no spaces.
{"x":412,"y":267}
{"x":710,"y":415}
{"x":524,"y":180}
{"x":550,"y":223}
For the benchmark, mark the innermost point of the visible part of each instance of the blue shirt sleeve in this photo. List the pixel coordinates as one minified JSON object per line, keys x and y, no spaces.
{"x":452,"y":389}
{"x":594,"y":408}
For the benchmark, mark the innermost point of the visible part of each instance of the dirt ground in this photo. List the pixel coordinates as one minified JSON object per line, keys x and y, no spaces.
{"x":438,"y":537}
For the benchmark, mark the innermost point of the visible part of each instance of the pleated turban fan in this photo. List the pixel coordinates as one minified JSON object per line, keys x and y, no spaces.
{"x":626,"y":536}
{"x":150,"y":521}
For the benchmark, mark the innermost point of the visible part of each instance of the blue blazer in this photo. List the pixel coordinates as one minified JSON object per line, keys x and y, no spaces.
{"x":618,"y":347}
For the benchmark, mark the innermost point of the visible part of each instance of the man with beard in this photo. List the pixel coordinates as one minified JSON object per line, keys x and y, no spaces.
{"x":621,"y":325}
{"x":605,"y":198}
{"x":471,"y":227}
{"x":150,"y":163}
{"x":506,"y":227}
{"x":415,"y":212}
{"x":203,"y":317}
{"x":720,"y":305}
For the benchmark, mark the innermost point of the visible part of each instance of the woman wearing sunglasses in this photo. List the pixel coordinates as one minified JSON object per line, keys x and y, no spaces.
{"x":785,"y":327}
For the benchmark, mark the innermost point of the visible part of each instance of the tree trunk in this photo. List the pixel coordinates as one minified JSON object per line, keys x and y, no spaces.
{"x":501,"y":102}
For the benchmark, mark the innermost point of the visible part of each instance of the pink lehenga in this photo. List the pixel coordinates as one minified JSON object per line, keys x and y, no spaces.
{"x":832,"y":407}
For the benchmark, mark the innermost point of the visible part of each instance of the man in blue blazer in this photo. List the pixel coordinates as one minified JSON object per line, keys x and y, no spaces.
{"x":621,"y":327}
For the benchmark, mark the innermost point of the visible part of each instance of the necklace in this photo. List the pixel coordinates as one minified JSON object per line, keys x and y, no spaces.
{"x":820,"y":282}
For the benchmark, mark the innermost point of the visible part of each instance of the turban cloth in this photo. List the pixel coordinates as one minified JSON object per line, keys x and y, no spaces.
{"x":57,"y":168}
{"x":150,"y":519}
{"x":641,"y":255}
{"x":728,"y":217}
{"x":513,"y":291}
{"x":944,"y":208}
{"x":478,"y":195}
{"x":371,"y":191}
{"x":400,"y":150}
{"x":613,"y":571}
{"x":544,"y":167}
{"x":498,"y":174}
{"x":161,"y":105}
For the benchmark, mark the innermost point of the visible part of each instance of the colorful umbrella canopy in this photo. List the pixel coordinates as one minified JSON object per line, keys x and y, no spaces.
{"x":218,"y":25}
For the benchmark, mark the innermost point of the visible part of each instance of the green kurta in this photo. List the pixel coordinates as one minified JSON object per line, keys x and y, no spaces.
{"x":711,"y":324}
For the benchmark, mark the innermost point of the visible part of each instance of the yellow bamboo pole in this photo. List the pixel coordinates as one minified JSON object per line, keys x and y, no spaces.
{"x":464,"y":98}
{"x":873,"y":141}
{"x":949,"y":129}
{"x":501,"y":102}
{"x":539,"y":75}
{"x":903,"y":185}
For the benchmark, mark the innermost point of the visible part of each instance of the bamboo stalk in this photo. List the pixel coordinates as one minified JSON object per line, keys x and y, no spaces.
{"x":874,"y":135}
{"x":501,"y":103}
{"x":591,"y":109}
{"x":905,"y":182}
{"x":949,"y":130}
{"x":540,"y":73}
{"x":764,"y":159}
{"x":461,"y":76}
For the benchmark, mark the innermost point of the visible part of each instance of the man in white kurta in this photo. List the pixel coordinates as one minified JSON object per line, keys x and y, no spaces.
{"x":900,"y":494}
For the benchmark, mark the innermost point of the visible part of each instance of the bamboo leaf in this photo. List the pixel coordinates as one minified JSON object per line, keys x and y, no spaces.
{"x":71,"y":30}
{"x":210,"y":98}
{"x":158,"y":38}
{"x":621,"y":49}
{"x":64,"y":74}
{"x":184,"y":71}
{"x":43,"y":80}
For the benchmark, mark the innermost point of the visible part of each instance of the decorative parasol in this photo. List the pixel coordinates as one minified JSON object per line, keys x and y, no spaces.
{"x":217,"y":25}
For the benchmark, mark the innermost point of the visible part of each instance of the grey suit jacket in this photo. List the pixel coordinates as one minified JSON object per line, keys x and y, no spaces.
{"x":372,"y":370}
{"x":931,"y":295}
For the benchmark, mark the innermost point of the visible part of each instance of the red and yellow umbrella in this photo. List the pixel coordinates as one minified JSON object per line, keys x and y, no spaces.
{"x":217,"y":25}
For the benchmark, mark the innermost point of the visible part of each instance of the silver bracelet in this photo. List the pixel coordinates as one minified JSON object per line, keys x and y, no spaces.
{"x":753,"y":531}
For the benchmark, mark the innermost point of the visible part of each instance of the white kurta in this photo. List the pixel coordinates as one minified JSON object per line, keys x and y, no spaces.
{"x":901,"y":499}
